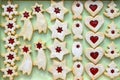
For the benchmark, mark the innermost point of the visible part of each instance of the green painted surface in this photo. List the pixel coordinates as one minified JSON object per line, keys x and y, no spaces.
{"x":45,"y":75}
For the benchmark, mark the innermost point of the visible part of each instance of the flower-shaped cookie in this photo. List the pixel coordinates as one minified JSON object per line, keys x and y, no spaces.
{"x":58,"y":49}
{"x":57,"y":10}
{"x":59,"y":30}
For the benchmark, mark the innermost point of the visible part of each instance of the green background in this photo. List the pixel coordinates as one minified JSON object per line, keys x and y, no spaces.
{"x":45,"y":75}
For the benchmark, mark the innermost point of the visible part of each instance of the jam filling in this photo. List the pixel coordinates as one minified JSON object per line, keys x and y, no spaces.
{"x":94,"y":55}
{"x":58,"y":49}
{"x":78,"y":5}
{"x":10,"y":25}
{"x":9,"y":9}
{"x":93,"y":23}
{"x":59,"y":30}
{"x":93,"y":70}
{"x":78,"y":46}
{"x":57,"y":10}
{"x":39,"y":45}
{"x":77,"y":25}
{"x":26,"y":14}
{"x":93,"y":7}
{"x":25,"y":49}
{"x":59,"y":69}
{"x":94,"y":39}
{"x":10,"y":56}
{"x":37,"y":9}
{"x":78,"y":66}
{"x":9,"y":71}
{"x":11,"y":41}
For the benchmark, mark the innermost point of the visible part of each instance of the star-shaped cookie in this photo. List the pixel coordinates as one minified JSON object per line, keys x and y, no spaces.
{"x":37,"y":8}
{"x":58,"y":49}
{"x":59,"y":30}
{"x":59,"y":70}
{"x":57,"y":10}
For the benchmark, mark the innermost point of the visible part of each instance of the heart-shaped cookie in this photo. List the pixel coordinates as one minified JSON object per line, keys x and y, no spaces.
{"x":94,"y":71}
{"x":94,"y":23}
{"x":94,"y":55}
{"x":94,"y":39}
{"x":93,"y":7}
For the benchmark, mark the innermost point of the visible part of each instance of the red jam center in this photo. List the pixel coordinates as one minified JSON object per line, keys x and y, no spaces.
{"x":25,"y":49}
{"x":10,"y":25}
{"x":78,"y":5}
{"x":9,"y":71}
{"x":39,"y":45}
{"x":10,"y":56}
{"x":112,"y":11}
{"x":9,"y":9}
{"x":93,"y":70}
{"x":94,"y":55}
{"x":94,"y":39}
{"x":78,"y":66}
{"x":78,"y":46}
{"x":11,"y":41}
{"x":112,"y":52}
{"x":26,"y":14}
{"x":77,"y":25}
{"x":59,"y":29}
{"x":58,"y":49}
{"x":37,"y":9}
{"x":93,"y":23}
{"x":59,"y":69}
{"x":112,"y":71}
{"x":57,"y":10}
{"x":93,"y":7}
{"x":112,"y":31}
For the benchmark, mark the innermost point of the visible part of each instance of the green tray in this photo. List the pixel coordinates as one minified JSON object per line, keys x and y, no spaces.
{"x":45,"y":75}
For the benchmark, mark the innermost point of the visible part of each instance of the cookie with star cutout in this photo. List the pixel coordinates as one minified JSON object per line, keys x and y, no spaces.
{"x":57,"y":10}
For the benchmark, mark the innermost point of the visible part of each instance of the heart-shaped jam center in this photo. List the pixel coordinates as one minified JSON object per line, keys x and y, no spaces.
{"x":93,"y":7}
{"x":93,"y":70}
{"x":94,"y":39}
{"x":94,"y":55}
{"x":94,"y":23}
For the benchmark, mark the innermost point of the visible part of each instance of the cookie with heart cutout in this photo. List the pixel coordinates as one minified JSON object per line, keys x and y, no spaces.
{"x":77,"y":29}
{"x":112,"y":51}
{"x":94,"y":55}
{"x":94,"y":71}
{"x":78,"y":70}
{"x":10,"y":10}
{"x":77,"y":9}
{"x":57,"y":10}
{"x":93,"y":7}
{"x":94,"y":39}
{"x":94,"y":23}
{"x":9,"y":72}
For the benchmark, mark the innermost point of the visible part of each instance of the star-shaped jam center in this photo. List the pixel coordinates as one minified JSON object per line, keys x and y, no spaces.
{"x":58,"y":49}
{"x":9,"y":71}
{"x":10,"y":56}
{"x":57,"y":10}
{"x":11,"y":41}
{"x":59,"y":69}
{"x":26,"y":14}
{"x":25,"y":49}
{"x":39,"y":45}
{"x":9,"y":9}
{"x":59,"y":29}
{"x":10,"y":25}
{"x":37,"y":9}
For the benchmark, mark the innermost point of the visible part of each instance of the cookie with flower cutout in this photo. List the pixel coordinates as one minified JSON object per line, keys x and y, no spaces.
{"x":9,"y":10}
{"x":95,"y":55}
{"x":59,"y":70}
{"x":94,"y":23}
{"x":112,"y":32}
{"x":10,"y":57}
{"x":58,"y":50}
{"x":11,"y":42}
{"x":41,"y":60}
{"x":57,"y":10}
{"x":112,"y":12}
{"x":77,"y":9}
{"x":112,"y":71}
{"x":94,"y":71}
{"x":77,"y":50}
{"x":78,"y":70}
{"x":41,"y":22}
{"x":26,"y":65}
{"x":77,"y":30}
{"x":94,"y":39}
{"x":10,"y":26}
{"x":9,"y":72}
{"x":27,"y":29}
{"x":93,"y":7}
{"x":112,"y":52}
{"x":59,"y":30}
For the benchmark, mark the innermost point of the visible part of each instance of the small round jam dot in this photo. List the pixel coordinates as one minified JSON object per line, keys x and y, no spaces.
{"x":78,"y":46}
{"x":112,"y":31}
{"x":112,"y":11}
{"x":78,"y":66}
{"x":112,"y":71}
{"x":78,"y":5}
{"x":77,"y":25}
{"x":112,"y":52}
